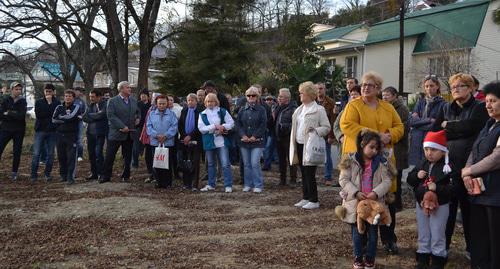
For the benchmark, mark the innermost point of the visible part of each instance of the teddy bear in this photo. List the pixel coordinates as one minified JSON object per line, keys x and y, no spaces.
{"x":372,"y":212}
{"x":429,"y":202}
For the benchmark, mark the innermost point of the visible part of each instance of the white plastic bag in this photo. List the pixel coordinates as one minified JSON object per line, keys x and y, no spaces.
{"x":160,"y":159}
{"x":315,"y":152}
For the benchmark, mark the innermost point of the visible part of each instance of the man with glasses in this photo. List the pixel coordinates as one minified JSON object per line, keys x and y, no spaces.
{"x":45,"y":132}
{"x":13,"y":123}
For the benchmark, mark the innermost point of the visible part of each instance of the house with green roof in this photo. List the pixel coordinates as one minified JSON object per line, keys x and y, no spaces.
{"x":343,"y":46}
{"x":459,"y":37}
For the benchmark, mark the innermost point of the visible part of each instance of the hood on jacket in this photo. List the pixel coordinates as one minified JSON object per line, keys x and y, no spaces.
{"x":348,"y":159}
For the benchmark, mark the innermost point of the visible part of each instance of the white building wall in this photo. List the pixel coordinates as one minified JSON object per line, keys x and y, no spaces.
{"x":485,"y":58}
{"x":359,"y":34}
{"x":340,"y":59}
{"x":383,"y":58}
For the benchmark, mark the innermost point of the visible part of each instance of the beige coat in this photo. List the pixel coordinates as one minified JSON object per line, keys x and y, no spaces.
{"x":350,"y":181}
{"x":317,"y":119}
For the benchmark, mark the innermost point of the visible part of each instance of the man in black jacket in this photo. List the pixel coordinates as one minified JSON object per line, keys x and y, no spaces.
{"x":282,"y":128}
{"x":13,"y":123}
{"x":45,"y":132}
{"x":67,"y":116}
{"x":97,"y":127}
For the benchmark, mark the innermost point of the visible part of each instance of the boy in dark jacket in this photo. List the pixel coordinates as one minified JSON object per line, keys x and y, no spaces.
{"x":13,"y":124}
{"x":45,"y":132}
{"x":431,"y":183}
{"x":67,"y":116}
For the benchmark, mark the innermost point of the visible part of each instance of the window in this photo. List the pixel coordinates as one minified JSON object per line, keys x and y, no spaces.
{"x":351,"y":66}
{"x":330,"y":65}
{"x":439,"y":66}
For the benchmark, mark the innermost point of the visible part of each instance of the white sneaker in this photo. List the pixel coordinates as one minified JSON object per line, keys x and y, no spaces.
{"x":246,"y":189}
{"x":301,"y":203}
{"x":257,"y":190}
{"x":207,"y":188}
{"x":80,"y":159}
{"x":311,"y":205}
{"x":229,"y":189}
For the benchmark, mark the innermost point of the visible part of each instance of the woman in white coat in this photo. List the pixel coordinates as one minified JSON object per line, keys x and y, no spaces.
{"x":309,"y":117}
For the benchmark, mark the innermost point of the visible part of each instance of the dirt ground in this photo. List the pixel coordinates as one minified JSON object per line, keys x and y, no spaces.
{"x":134,"y":225}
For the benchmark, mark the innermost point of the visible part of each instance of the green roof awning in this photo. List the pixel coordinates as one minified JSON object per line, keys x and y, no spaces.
{"x":446,"y":27}
{"x":336,"y":33}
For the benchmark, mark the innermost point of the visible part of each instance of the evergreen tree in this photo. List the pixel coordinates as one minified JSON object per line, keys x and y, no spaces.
{"x":210,"y":46}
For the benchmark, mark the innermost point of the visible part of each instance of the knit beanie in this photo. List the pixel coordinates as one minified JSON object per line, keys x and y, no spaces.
{"x":437,"y":140}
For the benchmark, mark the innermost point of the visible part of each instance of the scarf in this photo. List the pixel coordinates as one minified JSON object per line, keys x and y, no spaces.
{"x":428,"y":102}
{"x":189,"y":121}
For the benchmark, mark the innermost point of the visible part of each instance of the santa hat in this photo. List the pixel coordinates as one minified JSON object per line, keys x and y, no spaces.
{"x":437,"y":140}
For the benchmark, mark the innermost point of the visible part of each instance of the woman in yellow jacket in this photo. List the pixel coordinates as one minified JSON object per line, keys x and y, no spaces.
{"x":370,"y":112}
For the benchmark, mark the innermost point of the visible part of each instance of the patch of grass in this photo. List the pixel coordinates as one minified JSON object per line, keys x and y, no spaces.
{"x":158,"y":234}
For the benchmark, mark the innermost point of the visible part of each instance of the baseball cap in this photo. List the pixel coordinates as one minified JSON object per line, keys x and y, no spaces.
{"x":15,"y":84}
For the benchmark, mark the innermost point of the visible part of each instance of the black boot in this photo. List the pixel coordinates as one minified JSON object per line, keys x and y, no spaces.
{"x":423,"y":260}
{"x":438,"y":262}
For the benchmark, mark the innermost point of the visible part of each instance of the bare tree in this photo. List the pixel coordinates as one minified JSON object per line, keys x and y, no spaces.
{"x":146,"y":25}
{"x":318,"y":7}
{"x":69,"y":25}
{"x":298,"y":6}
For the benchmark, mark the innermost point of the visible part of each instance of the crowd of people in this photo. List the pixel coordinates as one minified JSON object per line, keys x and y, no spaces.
{"x":453,"y":151}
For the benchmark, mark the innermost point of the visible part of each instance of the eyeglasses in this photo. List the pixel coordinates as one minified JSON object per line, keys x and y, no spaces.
{"x":368,"y":85}
{"x":459,"y":87}
{"x":251,"y":95}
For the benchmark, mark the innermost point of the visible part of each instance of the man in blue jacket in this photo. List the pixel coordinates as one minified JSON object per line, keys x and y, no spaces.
{"x":95,"y":117}
{"x":13,"y":124}
{"x":45,"y":132}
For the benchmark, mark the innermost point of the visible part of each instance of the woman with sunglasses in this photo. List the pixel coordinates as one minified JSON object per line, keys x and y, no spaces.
{"x":462,"y":119}
{"x":251,"y":128}
{"x":423,"y":116}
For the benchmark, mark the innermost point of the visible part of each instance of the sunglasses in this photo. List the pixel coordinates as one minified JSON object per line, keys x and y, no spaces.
{"x":251,"y":95}
{"x":431,"y":77}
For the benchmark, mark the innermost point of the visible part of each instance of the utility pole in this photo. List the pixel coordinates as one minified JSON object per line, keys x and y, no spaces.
{"x":401,"y":43}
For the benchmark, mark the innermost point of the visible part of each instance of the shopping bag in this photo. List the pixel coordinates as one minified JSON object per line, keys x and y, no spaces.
{"x":315,"y":151}
{"x":160,"y":159}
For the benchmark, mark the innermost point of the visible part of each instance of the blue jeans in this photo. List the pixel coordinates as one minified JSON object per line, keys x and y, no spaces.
{"x":357,"y":240}
{"x":43,"y":151}
{"x":270,"y":152}
{"x":328,"y":164}
{"x":251,"y":161}
{"x":223,"y":155}
{"x":95,"y":147}
{"x":44,"y":142}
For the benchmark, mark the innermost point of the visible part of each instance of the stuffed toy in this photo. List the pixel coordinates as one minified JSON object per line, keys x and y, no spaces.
{"x":429,"y":202}
{"x":340,"y":210}
{"x":372,"y":212}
